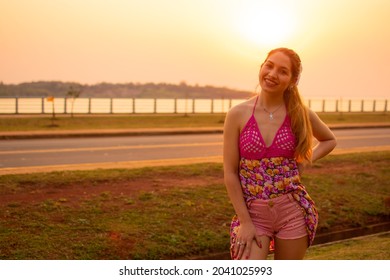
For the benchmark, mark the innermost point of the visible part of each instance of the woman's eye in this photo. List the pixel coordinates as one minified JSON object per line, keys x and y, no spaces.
{"x":284,"y":72}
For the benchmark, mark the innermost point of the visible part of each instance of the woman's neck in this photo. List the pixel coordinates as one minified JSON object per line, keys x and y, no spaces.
{"x":271,"y":100}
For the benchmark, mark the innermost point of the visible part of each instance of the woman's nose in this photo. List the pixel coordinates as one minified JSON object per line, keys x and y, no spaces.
{"x":272,"y":73}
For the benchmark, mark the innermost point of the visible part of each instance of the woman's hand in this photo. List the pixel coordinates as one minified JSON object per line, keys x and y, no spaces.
{"x":245,"y":235}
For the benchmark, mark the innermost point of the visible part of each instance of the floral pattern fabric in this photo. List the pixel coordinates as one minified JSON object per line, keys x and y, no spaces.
{"x":269,"y":178}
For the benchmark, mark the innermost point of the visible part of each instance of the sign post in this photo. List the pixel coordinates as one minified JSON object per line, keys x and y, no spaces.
{"x":51,"y":99}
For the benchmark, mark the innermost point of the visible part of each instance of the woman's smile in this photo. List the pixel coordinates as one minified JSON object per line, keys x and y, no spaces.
{"x":270,"y":82}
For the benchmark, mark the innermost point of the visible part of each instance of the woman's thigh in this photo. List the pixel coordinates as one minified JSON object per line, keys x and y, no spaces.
{"x":290,"y":249}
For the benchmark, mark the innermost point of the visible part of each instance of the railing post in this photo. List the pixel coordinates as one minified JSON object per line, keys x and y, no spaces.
{"x":374,"y":106}
{"x":212,"y":105}
{"x":175,"y":106}
{"x":155,"y":106}
{"x":111,"y":105}
{"x":385,"y":110}
{"x":349,"y":106}
{"x":193,"y":105}
{"x":16,"y":105}
{"x":89,"y":105}
{"x":323,"y":105}
{"x":43,"y":105}
{"x":133,"y":104}
{"x":186,"y":107}
{"x":337,"y":106}
{"x":65,"y":104}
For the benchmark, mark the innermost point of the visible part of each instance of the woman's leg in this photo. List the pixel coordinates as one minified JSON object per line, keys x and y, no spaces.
{"x":291,"y":249}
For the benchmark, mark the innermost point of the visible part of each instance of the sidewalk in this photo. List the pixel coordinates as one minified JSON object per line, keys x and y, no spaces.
{"x":148,"y":131}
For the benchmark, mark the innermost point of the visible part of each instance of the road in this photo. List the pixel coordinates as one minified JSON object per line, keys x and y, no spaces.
{"x":29,"y":153}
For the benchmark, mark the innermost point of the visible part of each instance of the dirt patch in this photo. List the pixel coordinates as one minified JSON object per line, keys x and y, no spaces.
{"x":78,"y":192}
{"x":160,"y":181}
{"x":332,"y":167}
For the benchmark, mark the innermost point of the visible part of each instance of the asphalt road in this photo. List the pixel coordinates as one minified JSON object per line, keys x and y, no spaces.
{"x":30,"y":153}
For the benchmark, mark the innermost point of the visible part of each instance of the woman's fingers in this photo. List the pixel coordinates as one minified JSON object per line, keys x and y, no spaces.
{"x":242,"y":250}
{"x":246,"y":252}
{"x":258,"y":241}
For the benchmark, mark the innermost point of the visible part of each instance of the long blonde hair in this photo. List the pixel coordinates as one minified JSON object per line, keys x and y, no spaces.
{"x":297,"y":111}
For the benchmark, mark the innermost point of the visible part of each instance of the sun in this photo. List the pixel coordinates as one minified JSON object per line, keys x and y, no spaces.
{"x":266,"y":23}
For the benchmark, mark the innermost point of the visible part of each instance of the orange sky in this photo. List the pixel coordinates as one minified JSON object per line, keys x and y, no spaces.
{"x":344,"y":44}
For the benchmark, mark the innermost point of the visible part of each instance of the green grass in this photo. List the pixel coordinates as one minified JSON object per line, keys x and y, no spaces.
{"x":373,"y":247}
{"x":175,"y":212}
{"x":110,"y":122}
{"x":349,"y":195}
{"x":31,"y":123}
{"x":339,"y":118}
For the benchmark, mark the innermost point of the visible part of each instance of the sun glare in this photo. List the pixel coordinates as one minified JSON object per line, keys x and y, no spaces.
{"x":265,"y":23}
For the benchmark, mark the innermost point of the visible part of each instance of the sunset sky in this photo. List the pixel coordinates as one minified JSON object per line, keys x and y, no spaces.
{"x":344,"y":44}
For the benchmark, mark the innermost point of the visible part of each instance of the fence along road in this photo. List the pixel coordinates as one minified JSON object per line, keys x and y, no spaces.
{"x":42,"y":105}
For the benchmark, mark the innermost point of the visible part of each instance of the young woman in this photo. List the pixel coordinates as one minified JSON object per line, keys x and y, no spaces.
{"x":267,"y":141}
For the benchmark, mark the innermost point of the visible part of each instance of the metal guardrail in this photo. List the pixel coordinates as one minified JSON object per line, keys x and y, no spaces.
{"x":44,"y":105}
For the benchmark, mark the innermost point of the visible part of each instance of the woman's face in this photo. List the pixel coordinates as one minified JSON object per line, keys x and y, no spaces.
{"x":275,"y":73}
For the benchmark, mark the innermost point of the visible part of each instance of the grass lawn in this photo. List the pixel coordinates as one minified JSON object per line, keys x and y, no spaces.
{"x":372,"y":247}
{"x":175,"y":212}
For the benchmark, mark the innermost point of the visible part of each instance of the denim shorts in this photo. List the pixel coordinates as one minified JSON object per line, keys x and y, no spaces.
{"x":280,"y":217}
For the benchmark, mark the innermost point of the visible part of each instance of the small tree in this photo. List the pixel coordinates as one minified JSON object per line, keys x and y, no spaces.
{"x":73,"y":93}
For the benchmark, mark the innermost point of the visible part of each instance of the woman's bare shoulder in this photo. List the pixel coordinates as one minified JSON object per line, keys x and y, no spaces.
{"x":240,"y":113}
{"x":243,"y":108}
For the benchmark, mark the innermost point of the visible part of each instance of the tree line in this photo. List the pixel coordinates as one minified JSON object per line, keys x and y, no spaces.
{"x":127,"y":90}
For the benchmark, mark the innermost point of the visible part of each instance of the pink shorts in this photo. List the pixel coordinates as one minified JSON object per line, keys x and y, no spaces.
{"x":280,"y":217}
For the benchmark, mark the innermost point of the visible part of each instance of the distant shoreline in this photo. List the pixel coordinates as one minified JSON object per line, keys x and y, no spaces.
{"x":128,"y":90}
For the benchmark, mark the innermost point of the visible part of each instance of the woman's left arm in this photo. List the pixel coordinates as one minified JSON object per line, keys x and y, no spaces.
{"x":325,"y":137}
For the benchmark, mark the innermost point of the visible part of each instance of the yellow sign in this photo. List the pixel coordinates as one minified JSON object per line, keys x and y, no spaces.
{"x":50,"y":98}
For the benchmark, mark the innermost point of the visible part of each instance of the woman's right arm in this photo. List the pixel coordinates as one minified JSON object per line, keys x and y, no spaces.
{"x":231,"y":157}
